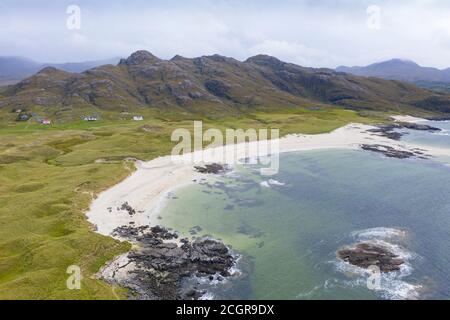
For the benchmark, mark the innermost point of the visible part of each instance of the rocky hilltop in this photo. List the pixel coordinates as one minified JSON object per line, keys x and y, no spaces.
{"x":212,"y":84}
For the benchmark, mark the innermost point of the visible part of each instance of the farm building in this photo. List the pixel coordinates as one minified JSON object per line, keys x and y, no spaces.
{"x":23,"y":117}
{"x":138,"y":118}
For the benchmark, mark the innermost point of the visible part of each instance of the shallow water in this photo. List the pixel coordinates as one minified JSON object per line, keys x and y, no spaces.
{"x":424,"y":138}
{"x":289,"y":228}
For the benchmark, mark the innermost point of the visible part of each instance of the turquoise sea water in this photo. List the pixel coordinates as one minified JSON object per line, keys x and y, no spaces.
{"x":437,"y":139}
{"x":288,"y":229}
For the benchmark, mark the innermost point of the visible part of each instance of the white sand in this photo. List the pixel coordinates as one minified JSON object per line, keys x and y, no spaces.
{"x":407,"y":119}
{"x":147,"y":188}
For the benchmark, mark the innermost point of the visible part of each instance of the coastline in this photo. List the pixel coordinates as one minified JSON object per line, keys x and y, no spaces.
{"x":136,"y":203}
{"x":146,"y":189}
{"x":410,"y":119}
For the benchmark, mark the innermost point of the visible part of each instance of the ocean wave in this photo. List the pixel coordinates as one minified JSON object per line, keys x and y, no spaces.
{"x":392,"y":285}
{"x":207,"y":296}
{"x":271,"y":182}
{"x":380,"y":233}
{"x":276,"y":182}
{"x":213,"y":286}
{"x":265,"y":184}
{"x":443,"y":132}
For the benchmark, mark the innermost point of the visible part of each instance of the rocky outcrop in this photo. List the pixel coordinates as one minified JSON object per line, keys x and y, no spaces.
{"x":439,"y":118}
{"x":214,"y":168}
{"x":155,"y":269}
{"x":125,"y":206}
{"x":391,"y":152}
{"x":138,"y":58}
{"x":365,"y":255}
{"x":391,"y":130}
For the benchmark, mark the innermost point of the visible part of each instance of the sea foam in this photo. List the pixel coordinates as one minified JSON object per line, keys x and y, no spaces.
{"x":392,"y":285}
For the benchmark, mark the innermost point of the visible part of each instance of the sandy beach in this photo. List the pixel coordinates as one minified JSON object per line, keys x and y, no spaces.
{"x":147,"y":189}
{"x":407,"y":119}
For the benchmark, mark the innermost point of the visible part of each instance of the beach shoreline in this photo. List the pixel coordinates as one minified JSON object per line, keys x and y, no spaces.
{"x":128,"y":210}
{"x":147,"y":189}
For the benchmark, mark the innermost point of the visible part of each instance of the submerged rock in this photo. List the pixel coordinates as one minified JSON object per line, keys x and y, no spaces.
{"x":365,"y":255}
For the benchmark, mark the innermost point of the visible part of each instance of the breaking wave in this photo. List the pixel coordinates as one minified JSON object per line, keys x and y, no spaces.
{"x":393,"y":285}
{"x":271,"y":182}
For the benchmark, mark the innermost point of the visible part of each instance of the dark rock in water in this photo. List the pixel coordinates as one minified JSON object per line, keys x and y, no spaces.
{"x":250,"y":231}
{"x":129,"y":232}
{"x":161,"y":266}
{"x":229,"y":207}
{"x":439,"y":118}
{"x":365,"y":255}
{"x":388,"y":151}
{"x":418,"y":126}
{"x":248,"y":202}
{"x":388,"y":130}
{"x":213,"y":168}
{"x":195,"y":230}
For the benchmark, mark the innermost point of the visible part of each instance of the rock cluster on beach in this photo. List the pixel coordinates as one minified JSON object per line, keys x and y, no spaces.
{"x":161,"y":262}
{"x":214,"y":168}
{"x":125,"y":206}
{"x":365,"y":255}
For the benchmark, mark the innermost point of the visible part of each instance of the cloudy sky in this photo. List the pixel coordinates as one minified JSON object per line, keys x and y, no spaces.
{"x":314,"y":33}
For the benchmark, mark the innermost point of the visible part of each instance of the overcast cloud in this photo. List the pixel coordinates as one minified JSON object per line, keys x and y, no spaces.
{"x":310,"y":33}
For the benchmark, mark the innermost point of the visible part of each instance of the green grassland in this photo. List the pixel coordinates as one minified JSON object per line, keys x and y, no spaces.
{"x":50,"y":174}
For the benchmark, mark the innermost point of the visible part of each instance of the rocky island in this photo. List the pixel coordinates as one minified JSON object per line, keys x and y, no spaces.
{"x":365,"y":255}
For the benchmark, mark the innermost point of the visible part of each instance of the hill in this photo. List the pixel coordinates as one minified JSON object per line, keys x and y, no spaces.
{"x":15,"y":69}
{"x":211,"y":85}
{"x":404,"y":70}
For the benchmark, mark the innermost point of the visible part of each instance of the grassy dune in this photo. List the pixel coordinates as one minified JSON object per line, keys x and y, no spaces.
{"x":49,"y":175}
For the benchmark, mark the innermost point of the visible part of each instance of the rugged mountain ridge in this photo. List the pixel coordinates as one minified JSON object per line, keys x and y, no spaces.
{"x":212,"y":84}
